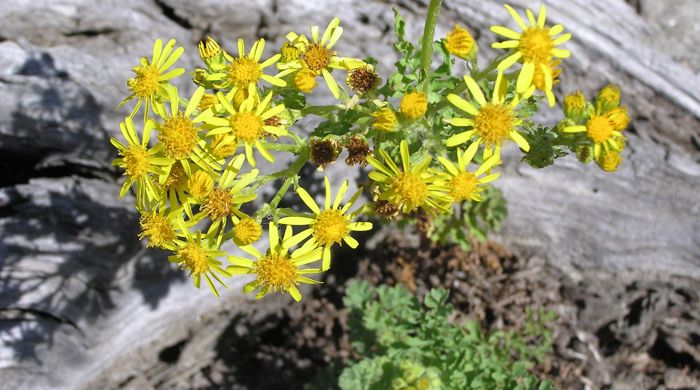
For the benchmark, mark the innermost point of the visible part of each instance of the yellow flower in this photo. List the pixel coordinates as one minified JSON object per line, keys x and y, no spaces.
{"x":609,"y":160}
{"x":492,"y":123}
{"x":608,"y":97}
{"x":408,"y":187}
{"x":414,"y":105}
{"x":246,"y":124}
{"x":329,"y":226}
{"x":461,"y":184}
{"x":209,"y":50}
{"x":619,"y":117}
{"x":151,"y":82}
{"x":539,"y":81}
{"x":197,"y":255}
{"x":178,"y":133}
{"x":226,"y":196}
{"x":317,"y":54}
{"x":245,"y":70}
{"x":460,"y":42}
{"x":246,"y":231}
{"x":600,"y":130}
{"x":305,"y":80}
{"x":159,"y":227}
{"x":384,"y":119}
{"x":574,"y":105}
{"x":535,"y":47}
{"x":139,"y":161}
{"x":200,"y":184}
{"x":277,"y":270}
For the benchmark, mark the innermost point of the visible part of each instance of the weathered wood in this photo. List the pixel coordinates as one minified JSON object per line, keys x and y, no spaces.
{"x":83,"y":304}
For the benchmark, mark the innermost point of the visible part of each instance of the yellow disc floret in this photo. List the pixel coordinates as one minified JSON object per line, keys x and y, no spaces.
{"x":200,"y":184}
{"x":243,"y":71}
{"x":414,"y":105}
{"x":317,"y":57}
{"x":462,"y":186}
{"x":494,"y":123}
{"x":410,"y":190}
{"x":247,"y":126}
{"x":247,"y":231}
{"x":276,"y":271}
{"x":599,"y":129}
{"x":136,"y":161}
{"x":330,"y":227}
{"x":145,"y":83}
{"x":460,"y":43}
{"x":157,"y":229}
{"x":193,"y":258}
{"x":536,"y":45}
{"x":384,"y":119}
{"x":219,"y":204}
{"x":178,"y":136}
{"x":208,"y":100}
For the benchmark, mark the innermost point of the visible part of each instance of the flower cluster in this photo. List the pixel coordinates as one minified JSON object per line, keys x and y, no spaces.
{"x":431,"y":140}
{"x":194,"y":161}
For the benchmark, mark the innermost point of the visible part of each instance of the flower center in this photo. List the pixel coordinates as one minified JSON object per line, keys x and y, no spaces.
{"x":330,"y":227}
{"x":243,"y":71}
{"x":178,"y":136}
{"x":247,"y":126}
{"x":219,"y":204}
{"x":462,"y":186}
{"x":146,"y":82}
{"x":536,"y":45}
{"x":317,"y":57}
{"x":276,"y":271}
{"x":414,"y":105}
{"x":247,"y":231}
{"x":136,"y":161}
{"x":599,"y":129}
{"x":157,"y":229}
{"x":410,"y":189}
{"x":493,"y":123}
{"x":194,"y":258}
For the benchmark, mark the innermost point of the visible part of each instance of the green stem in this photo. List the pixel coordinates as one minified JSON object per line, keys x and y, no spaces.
{"x":291,"y":174}
{"x":426,"y":54}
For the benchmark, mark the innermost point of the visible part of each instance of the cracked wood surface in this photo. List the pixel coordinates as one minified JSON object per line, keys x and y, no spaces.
{"x":83,"y":303}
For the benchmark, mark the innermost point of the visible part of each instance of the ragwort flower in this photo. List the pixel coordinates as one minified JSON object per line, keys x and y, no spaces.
{"x":464,"y":185}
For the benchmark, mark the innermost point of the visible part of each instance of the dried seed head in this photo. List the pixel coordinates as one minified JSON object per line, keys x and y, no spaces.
{"x":324,"y":152}
{"x":358,"y":150}
{"x":362,"y":80}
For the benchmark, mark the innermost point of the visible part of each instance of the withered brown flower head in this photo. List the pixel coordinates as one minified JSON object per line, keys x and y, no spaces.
{"x":358,"y":150}
{"x":324,"y":152}
{"x":362,"y":80}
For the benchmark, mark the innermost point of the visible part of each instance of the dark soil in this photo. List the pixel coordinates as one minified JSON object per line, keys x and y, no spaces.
{"x":613,"y":331}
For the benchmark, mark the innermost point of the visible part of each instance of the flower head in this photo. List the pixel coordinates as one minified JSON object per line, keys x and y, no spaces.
{"x":463,"y":185}
{"x":536,"y":47}
{"x":492,"y":122}
{"x":245,"y":70}
{"x":198,"y":255}
{"x":277,"y":270}
{"x":460,"y":42}
{"x":150,"y":83}
{"x":384,"y":119}
{"x":414,"y":105}
{"x":329,"y":226}
{"x":409,"y":187}
{"x":139,"y":162}
{"x":317,"y":55}
{"x":246,"y":124}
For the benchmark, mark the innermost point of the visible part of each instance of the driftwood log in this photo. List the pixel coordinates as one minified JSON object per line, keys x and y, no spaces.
{"x":84,"y":304}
